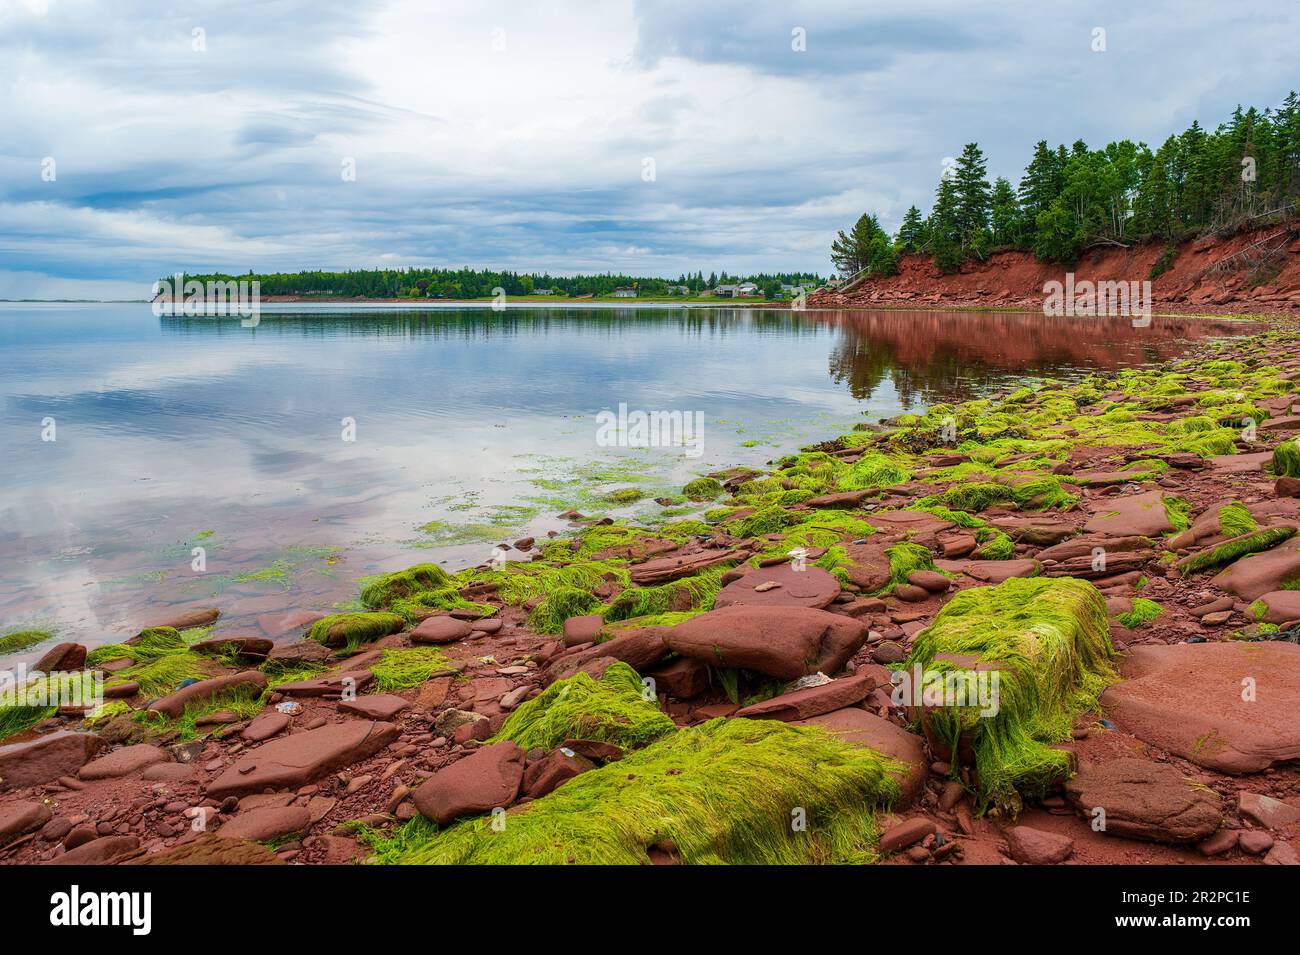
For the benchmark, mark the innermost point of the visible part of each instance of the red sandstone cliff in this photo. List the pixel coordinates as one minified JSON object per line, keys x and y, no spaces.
{"x":1256,"y":271}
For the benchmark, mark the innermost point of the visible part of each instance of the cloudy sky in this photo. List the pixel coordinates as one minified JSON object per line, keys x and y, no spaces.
{"x":649,"y":136}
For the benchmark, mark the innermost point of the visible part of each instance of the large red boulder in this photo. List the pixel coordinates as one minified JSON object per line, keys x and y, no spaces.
{"x":485,"y":780}
{"x":782,"y":642}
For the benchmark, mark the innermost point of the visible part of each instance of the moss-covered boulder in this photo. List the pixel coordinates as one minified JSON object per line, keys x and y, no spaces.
{"x":351,"y":630}
{"x":1004,"y":671}
{"x":382,"y":591}
{"x":703,"y":489}
{"x":613,"y":709}
{"x":729,"y":791}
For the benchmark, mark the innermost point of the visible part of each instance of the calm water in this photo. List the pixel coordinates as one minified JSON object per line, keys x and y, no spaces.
{"x":471,"y":427}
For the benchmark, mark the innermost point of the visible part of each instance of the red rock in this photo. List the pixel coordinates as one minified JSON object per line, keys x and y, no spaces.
{"x":1035,"y":847}
{"x":868,"y":566}
{"x":682,"y":679}
{"x":487,"y":779}
{"x":1266,"y":811}
{"x":46,"y":758}
{"x":812,"y":701}
{"x":1282,"y":853}
{"x":640,"y":649}
{"x":1188,"y":698}
{"x":61,"y":658}
{"x":212,"y":849}
{"x":1221,"y":843}
{"x":174,"y":704}
{"x":660,"y":571}
{"x":584,"y":629}
{"x":931,"y":580}
{"x":552,"y":771}
{"x":1241,"y":463}
{"x":300,"y":652}
{"x":594,"y":749}
{"x":783,"y":642}
{"x":381,"y":707}
{"x":20,"y":818}
{"x":106,"y":851}
{"x":331,"y":684}
{"x":266,"y":724}
{"x":262,"y":825}
{"x":1281,"y":606}
{"x":278,"y":624}
{"x":907,"y":833}
{"x":1255,"y":842}
{"x":911,"y":593}
{"x":292,"y":761}
{"x":1145,"y":800}
{"x":1287,"y":487}
{"x":246,"y":649}
{"x":167,"y":772}
{"x":439,"y":630}
{"x":123,"y":762}
{"x":1126,"y":515}
{"x":840,"y":499}
{"x":919,"y":525}
{"x":860,"y":728}
{"x":184,"y":619}
{"x":810,"y":587}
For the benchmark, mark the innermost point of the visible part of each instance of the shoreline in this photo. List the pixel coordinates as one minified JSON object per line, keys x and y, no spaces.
{"x":896,"y":523}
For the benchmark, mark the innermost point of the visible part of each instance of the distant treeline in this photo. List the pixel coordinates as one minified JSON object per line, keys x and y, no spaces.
{"x":472,"y":283}
{"x":1070,"y":199}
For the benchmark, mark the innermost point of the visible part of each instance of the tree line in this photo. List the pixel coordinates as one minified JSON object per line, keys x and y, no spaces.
{"x":1076,"y":198}
{"x":438,"y":283}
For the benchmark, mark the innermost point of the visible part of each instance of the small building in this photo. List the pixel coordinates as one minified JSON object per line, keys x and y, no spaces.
{"x":739,"y":290}
{"x":678,"y":290}
{"x":544,"y":291}
{"x":624,"y":292}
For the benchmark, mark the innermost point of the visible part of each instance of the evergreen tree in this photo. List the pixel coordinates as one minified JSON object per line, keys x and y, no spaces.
{"x":911,"y":233}
{"x":1005,"y":219}
{"x":972,"y":195}
{"x":851,"y":252}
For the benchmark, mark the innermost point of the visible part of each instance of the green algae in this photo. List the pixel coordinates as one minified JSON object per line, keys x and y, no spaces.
{"x":23,"y":640}
{"x":905,"y":559}
{"x":703,"y":489}
{"x":378,"y":593}
{"x":561,"y":604}
{"x":1237,"y":547}
{"x":405,"y":667}
{"x":1143,"y":612}
{"x":873,"y":471}
{"x":1178,"y":511}
{"x":1049,"y":641}
{"x":616,"y":709}
{"x":994,"y":545}
{"x":696,"y":593}
{"x":351,"y":630}
{"x":1235,"y":520}
{"x":728,"y":791}
{"x":1286,"y":459}
{"x":768,"y":520}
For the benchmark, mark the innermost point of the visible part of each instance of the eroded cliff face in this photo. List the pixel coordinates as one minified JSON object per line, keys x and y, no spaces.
{"x":1257,"y":271}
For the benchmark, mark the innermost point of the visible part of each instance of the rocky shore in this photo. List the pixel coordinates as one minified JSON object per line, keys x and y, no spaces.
{"x":1059,"y":625}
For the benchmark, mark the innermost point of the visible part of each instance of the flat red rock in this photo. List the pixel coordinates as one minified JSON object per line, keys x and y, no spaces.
{"x":123,"y":762}
{"x":860,"y":728}
{"x":45,"y":758}
{"x":441,"y":630}
{"x":1227,"y":706}
{"x":813,"y":700}
{"x":383,"y":706}
{"x":292,"y":761}
{"x":810,"y":587}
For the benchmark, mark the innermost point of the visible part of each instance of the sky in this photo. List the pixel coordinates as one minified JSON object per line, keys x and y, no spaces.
{"x":140,"y":138}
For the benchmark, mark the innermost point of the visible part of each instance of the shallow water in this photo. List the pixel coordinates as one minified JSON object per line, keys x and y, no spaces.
{"x":176,"y":434}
